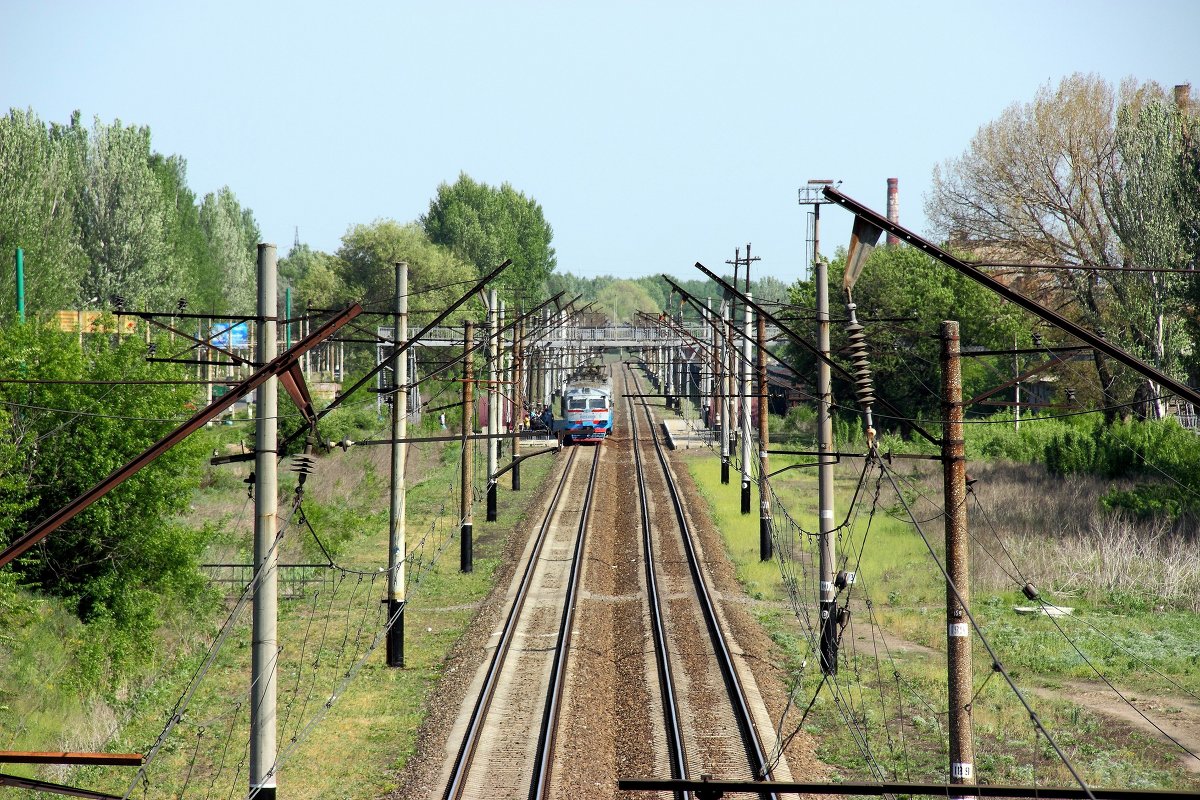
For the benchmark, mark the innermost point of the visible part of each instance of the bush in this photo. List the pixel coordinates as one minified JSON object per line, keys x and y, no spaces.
{"x":1071,"y":452}
{"x":1159,"y":450}
{"x":998,"y":439}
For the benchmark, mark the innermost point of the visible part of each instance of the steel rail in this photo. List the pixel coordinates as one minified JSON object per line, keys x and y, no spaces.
{"x":666,"y":679}
{"x":543,"y":760}
{"x":466,"y":752}
{"x":755,"y":752}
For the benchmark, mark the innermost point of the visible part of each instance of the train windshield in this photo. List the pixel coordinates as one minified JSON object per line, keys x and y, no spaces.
{"x":597,"y":403}
{"x":577,"y":404}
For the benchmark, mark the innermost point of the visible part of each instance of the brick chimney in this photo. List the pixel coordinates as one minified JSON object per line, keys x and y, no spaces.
{"x":893,"y":207}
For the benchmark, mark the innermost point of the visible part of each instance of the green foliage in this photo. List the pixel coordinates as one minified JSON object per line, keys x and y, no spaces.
{"x":1152,"y":213}
{"x":1161,"y":451}
{"x":316,"y":278}
{"x":197,"y":277}
{"x":484,"y":225}
{"x":901,"y":283}
{"x":1146,"y":500}
{"x":117,"y":561}
{"x":999,"y":439}
{"x":40,"y":174}
{"x":99,"y":213}
{"x":623,"y":300}
{"x":1065,"y":180}
{"x":366,"y":267}
{"x":232,"y":237}
{"x":122,"y":219}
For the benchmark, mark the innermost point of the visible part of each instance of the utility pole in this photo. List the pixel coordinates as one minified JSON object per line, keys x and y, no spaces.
{"x":711,"y":367}
{"x":825,"y":461}
{"x":766,"y":543}
{"x":812,"y":195}
{"x":668,"y":371}
{"x":747,"y":455}
{"x":518,"y":384}
{"x":958,"y":563}
{"x":466,"y":558}
{"x":396,"y":520}
{"x":1016,"y":388}
{"x":493,"y":404}
{"x":726,"y":388}
{"x":264,"y":638}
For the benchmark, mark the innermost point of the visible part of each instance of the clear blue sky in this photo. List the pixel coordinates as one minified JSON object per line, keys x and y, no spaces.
{"x":654,"y":134}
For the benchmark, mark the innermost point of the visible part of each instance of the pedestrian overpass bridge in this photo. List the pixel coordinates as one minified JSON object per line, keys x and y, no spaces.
{"x":607,"y":336}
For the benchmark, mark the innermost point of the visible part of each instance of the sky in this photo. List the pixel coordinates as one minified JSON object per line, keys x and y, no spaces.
{"x":653,"y":134}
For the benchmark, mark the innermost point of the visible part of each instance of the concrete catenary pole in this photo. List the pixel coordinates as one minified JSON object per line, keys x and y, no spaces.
{"x":726,"y":388}
{"x":466,"y":558}
{"x":396,"y":519}
{"x":264,"y":637}
{"x":747,"y":375}
{"x":766,"y":542}
{"x":958,"y":563}
{"x":518,"y":387}
{"x":493,"y":402}
{"x":711,"y":367}
{"x":825,"y":461}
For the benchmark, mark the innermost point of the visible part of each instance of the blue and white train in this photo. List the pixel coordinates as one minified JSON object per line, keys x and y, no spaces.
{"x":588,"y":407}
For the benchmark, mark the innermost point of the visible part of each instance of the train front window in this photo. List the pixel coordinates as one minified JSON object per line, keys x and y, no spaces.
{"x":577,"y":405}
{"x":598,"y":404}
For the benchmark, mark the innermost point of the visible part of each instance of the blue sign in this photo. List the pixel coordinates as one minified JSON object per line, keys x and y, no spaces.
{"x":231,"y":338}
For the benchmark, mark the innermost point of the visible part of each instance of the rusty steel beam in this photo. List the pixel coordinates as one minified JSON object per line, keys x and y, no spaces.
{"x":30,"y":784}
{"x":337,"y":401}
{"x":1095,"y":341}
{"x":279,"y":365}
{"x":149,"y":318}
{"x":34,"y":757}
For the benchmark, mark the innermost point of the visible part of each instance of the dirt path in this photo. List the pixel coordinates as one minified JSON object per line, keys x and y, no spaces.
{"x":1165,"y":718}
{"x":1176,"y":718}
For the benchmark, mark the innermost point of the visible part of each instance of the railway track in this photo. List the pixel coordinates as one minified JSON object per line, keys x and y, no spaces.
{"x":510,"y":732}
{"x":611,"y":660}
{"x":709,"y":728}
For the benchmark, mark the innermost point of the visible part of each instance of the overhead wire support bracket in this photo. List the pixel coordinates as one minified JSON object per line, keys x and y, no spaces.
{"x":182,"y":334}
{"x":383,"y":364}
{"x":1094,"y":340}
{"x":284,"y":363}
{"x":807,"y":345}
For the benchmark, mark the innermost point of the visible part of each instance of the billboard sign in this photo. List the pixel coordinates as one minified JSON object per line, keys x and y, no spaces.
{"x":235,"y":337}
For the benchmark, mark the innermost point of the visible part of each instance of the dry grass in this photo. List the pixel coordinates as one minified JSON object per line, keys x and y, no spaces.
{"x":1059,"y":537}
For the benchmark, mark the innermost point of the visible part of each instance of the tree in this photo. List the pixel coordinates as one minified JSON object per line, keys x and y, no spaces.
{"x":902,"y":283}
{"x":484,"y":225}
{"x":622,"y":300}
{"x":119,"y":560}
{"x":1152,"y":213}
{"x":197,"y":277}
{"x":122,"y":220}
{"x":40,"y":174}
{"x":367,"y":258}
{"x":1031,"y":187}
{"x":315,"y":276}
{"x":232,"y":238}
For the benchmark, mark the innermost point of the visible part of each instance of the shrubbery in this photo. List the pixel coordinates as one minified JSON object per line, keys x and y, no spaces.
{"x":1163,"y":452}
{"x":121,"y":560}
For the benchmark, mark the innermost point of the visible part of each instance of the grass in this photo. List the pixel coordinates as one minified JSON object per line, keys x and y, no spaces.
{"x":891,"y":686}
{"x":355,"y":746}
